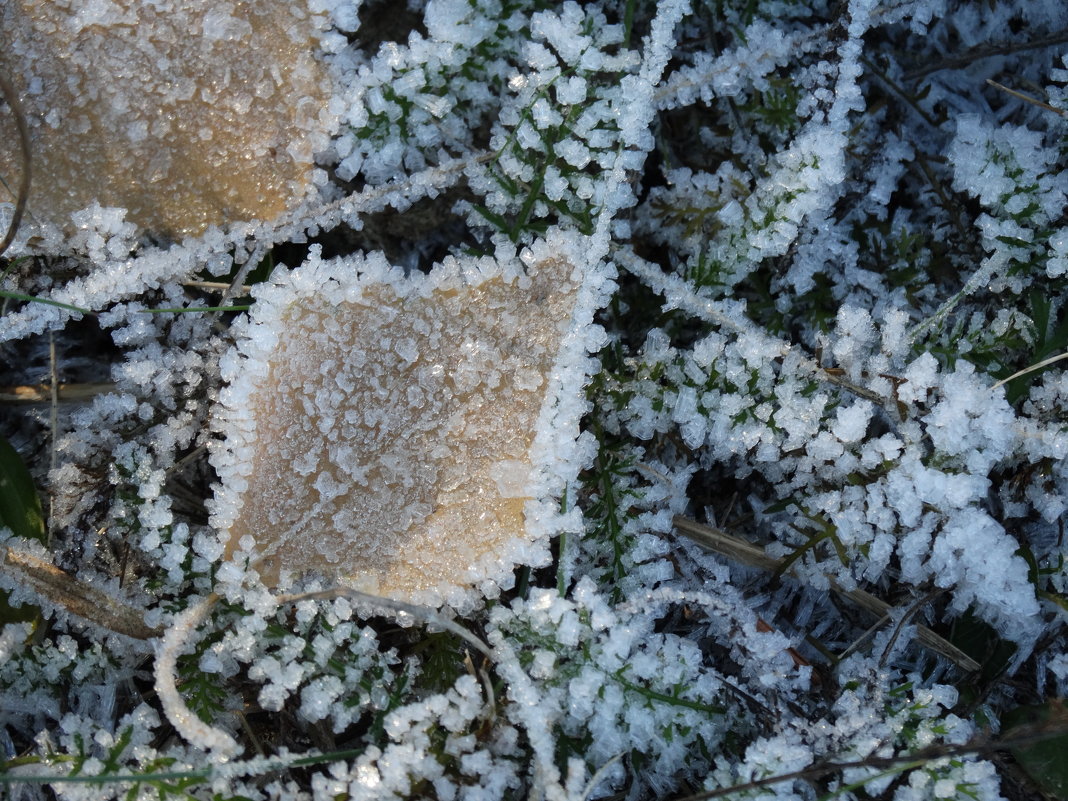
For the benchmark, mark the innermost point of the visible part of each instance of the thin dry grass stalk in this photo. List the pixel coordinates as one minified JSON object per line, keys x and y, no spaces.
{"x":741,"y":551}
{"x":63,"y":590}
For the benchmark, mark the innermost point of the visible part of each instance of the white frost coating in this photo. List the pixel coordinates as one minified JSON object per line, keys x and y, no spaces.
{"x":974,"y":555}
{"x":13,"y":637}
{"x":379,"y":429}
{"x":538,"y":718}
{"x":852,"y":422}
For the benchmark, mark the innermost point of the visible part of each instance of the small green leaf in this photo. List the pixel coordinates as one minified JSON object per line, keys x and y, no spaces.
{"x":20,"y":507}
{"x":20,"y":511}
{"x":1043,"y":758}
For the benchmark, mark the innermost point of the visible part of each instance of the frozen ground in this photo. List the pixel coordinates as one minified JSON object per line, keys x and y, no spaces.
{"x":494,"y":400}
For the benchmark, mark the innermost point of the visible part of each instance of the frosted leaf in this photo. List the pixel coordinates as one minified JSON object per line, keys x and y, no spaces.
{"x":379,"y":428}
{"x":188,"y":113}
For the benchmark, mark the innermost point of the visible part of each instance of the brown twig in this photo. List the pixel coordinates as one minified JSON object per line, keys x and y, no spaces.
{"x":12,"y":98}
{"x":65,"y":393}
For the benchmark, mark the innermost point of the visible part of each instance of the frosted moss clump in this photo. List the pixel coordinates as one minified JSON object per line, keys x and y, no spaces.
{"x":379,"y":427}
{"x":187,"y":113}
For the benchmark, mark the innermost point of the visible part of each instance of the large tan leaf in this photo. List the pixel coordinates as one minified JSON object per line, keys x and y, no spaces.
{"x":188,"y":113}
{"x":378,"y":430}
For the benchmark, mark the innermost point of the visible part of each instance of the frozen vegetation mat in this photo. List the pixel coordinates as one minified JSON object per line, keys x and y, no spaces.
{"x":481,"y":400}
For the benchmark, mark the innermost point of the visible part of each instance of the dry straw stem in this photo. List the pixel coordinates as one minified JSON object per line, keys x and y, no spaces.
{"x":1027,"y":98}
{"x":1031,"y":369}
{"x":63,"y":590}
{"x":988,"y":51}
{"x":65,"y":393}
{"x":741,"y":551}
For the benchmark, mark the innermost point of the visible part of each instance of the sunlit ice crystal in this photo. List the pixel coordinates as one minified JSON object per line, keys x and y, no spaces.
{"x":187,"y":113}
{"x":387,"y":431}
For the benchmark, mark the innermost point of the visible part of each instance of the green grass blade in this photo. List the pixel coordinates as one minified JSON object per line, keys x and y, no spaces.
{"x":31,"y":299}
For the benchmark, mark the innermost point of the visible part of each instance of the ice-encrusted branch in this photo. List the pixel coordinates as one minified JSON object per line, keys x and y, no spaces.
{"x":389,"y":606}
{"x":118,"y":279}
{"x":729,"y":74}
{"x":196,"y":732}
{"x":765,"y":49}
{"x":681,"y":294}
{"x":980,"y":278}
{"x":635,"y":137}
{"x":538,"y":718}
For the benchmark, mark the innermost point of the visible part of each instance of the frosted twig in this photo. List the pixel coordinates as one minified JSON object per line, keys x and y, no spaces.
{"x":672,"y":595}
{"x":155,"y":266}
{"x":538,"y":720}
{"x":979,"y":278}
{"x":747,"y":62}
{"x":311,"y":218}
{"x":680,"y":294}
{"x":767,"y":48}
{"x":427,"y":183}
{"x":392,"y":606}
{"x":187,"y":723}
{"x":635,"y":121}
